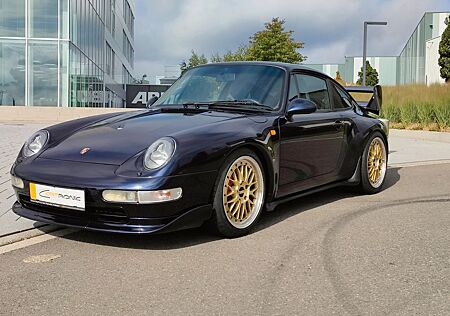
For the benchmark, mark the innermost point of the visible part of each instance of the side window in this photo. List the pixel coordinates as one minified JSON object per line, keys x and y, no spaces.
{"x":293,"y":88}
{"x":338,"y":100}
{"x":314,"y":89}
{"x":341,"y":99}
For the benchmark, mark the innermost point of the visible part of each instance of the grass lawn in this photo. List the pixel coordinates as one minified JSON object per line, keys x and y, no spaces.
{"x":418,"y":107}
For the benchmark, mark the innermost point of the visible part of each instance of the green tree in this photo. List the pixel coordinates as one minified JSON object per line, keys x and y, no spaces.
{"x":241,"y":54}
{"x":444,"y":52}
{"x":274,"y":43}
{"x":216,"y":58}
{"x":371,"y":75}
{"x":194,"y":60}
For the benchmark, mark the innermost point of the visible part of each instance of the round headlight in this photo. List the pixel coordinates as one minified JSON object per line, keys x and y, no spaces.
{"x":35,"y":144}
{"x":159,"y":153}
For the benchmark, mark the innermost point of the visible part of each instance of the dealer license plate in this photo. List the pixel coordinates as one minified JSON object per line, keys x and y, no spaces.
{"x":67,"y":198}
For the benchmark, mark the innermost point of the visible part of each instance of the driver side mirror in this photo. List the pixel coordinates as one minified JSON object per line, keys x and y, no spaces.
{"x":151,"y":102}
{"x":301,"y":106}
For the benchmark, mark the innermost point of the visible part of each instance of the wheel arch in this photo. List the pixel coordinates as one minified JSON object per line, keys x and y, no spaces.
{"x":267,"y":166}
{"x":372,"y":131}
{"x":365,"y":141}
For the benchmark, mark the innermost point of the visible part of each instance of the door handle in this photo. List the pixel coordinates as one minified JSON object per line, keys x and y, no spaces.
{"x":338,"y":125}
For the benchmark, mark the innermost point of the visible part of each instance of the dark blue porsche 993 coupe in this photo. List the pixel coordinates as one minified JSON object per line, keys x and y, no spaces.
{"x":224,"y":143}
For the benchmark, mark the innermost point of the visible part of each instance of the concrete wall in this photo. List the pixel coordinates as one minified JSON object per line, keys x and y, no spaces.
{"x":329,"y":69}
{"x":413,"y":60}
{"x":386,"y":67}
{"x":432,"y":69}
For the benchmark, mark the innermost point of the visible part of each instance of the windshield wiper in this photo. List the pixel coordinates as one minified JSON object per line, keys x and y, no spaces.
{"x":243,"y":104}
{"x":185,"y":108}
{"x":196,"y":104}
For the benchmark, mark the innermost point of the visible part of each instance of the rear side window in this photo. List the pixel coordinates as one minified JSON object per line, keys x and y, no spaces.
{"x":341,"y":99}
{"x":314,"y":89}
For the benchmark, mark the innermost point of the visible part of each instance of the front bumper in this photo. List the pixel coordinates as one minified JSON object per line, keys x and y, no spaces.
{"x":191,"y":210}
{"x":107,"y":223}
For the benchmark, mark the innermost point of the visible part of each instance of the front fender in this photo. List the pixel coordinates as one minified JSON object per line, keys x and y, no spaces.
{"x":201,"y":150}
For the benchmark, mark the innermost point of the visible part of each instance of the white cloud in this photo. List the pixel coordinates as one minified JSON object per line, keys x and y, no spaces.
{"x":166,"y":31}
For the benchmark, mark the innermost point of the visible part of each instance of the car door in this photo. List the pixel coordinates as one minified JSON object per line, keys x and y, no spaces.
{"x":311,"y":144}
{"x":344,"y":105}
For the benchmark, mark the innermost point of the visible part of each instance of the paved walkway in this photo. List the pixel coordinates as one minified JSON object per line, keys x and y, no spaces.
{"x":12,"y":137}
{"x":410,"y":147}
{"x":406,"y":147}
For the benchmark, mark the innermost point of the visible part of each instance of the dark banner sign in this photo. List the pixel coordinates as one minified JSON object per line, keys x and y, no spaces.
{"x":139,"y":94}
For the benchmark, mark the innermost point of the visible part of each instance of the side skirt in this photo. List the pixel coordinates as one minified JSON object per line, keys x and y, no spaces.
{"x":353,"y":181}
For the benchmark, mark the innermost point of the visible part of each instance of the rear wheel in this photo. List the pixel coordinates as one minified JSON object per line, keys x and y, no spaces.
{"x":240,"y":194}
{"x":374,"y":164}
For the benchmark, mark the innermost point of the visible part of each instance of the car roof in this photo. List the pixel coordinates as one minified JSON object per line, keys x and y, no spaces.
{"x":286,"y":66}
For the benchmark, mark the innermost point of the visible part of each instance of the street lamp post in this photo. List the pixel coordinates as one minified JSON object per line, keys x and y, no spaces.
{"x":365,"y":47}
{"x":1,"y":96}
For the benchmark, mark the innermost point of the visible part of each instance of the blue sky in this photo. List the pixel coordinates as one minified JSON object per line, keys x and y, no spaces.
{"x":167,"y":30}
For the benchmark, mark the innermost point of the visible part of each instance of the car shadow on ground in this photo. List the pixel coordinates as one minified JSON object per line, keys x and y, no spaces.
{"x":310,"y":202}
{"x":193,"y":237}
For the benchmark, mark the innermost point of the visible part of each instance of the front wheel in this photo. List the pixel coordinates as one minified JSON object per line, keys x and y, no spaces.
{"x":240,"y":194}
{"x":374,"y":164}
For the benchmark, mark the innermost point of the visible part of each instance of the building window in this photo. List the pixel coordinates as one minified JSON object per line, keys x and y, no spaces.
{"x":109,"y":53}
{"x":12,"y":18}
{"x":74,"y":22}
{"x":128,"y":16}
{"x":127,"y":48}
{"x":43,"y":17}
{"x":64,"y":68}
{"x":113,"y":18}
{"x":75,"y":75}
{"x":43,"y":70}
{"x":64,"y":19}
{"x":127,"y":78}
{"x":113,"y":64}
{"x":12,"y":72}
{"x":108,"y":15}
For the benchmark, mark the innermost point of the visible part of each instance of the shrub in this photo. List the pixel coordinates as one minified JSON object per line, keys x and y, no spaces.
{"x":408,"y":113}
{"x":391,"y":112}
{"x":417,"y":106}
{"x":442,"y":114}
{"x":426,"y":114}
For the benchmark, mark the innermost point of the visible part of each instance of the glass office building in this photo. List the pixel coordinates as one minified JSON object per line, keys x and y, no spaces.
{"x":67,"y":53}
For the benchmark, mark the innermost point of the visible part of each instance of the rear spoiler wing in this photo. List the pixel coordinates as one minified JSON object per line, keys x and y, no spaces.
{"x":376,"y":101}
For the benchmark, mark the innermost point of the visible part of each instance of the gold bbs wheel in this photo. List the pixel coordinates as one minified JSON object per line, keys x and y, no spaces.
{"x":243,"y":192}
{"x":376,"y":162}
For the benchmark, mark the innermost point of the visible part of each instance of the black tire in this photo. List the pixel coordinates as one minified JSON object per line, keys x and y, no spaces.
{"x":366,"y":185}
{"x":220,"y":222}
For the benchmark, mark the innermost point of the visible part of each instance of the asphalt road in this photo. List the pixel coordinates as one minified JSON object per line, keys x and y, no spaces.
{"x":330,"y":253}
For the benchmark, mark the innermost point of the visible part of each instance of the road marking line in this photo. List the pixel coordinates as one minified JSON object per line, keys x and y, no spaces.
{"x":419,"y":163}
{"x":41,"y":258}
{"x":36,"y":240}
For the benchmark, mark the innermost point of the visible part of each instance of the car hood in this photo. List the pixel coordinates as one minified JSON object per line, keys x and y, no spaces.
{"x":116,"y":140}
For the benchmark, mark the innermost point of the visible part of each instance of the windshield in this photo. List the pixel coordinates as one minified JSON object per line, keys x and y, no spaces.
{"x":216,"y":83}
